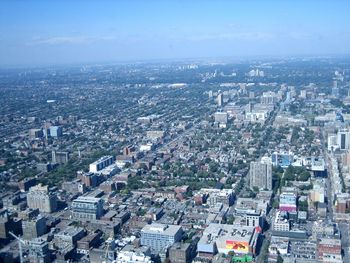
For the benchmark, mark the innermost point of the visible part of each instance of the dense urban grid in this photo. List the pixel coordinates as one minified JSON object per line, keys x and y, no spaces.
{"x":192,"y":161}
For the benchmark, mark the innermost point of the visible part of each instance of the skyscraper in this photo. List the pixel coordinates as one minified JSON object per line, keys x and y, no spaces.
{"x":220,"y":99}
{"x":261,"y":175}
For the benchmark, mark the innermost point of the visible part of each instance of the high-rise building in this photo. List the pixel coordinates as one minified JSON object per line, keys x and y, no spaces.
{"x":60,"y":157}
{"x":332,"y":142}
{"x":87,"y":208}
{"x":344,"y":139}
{"x":220,"y":99}
{"x":268,"y":98}
{"x":36,"y":133}
{"x":220,"y":117}
{"x":159,"y":236}
{"x":261,"y":175}
{"x":26,"y":183}
{"x":39,"y":251}
{"x":56,"y":131}
{"x":39,"y":197}
{"x":34,"y":227}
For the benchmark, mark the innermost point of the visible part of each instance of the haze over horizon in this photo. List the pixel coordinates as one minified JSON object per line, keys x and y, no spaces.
{"x":64,"y":32}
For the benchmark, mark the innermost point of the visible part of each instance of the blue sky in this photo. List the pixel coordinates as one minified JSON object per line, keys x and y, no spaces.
{"x":55,"y":32}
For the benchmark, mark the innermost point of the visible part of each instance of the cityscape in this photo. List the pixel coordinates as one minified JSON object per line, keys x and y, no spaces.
{"x":215,"y":159}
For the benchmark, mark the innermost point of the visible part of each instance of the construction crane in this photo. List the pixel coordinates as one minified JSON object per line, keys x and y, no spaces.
{"x":20,"y":243}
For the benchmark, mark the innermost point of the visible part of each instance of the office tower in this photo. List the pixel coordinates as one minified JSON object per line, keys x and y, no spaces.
{"x":261,"y":175}
{"x":220,"y":99}
{"x":159,"y":236}
{"x":210,"y":94}
{"x":101,"y":163}
{"x":56,"y":131}
{"x":39,"y":197}
{"x":87,"y":208}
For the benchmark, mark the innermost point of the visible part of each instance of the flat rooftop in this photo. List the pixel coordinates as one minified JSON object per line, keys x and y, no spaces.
{"x":164,"y":229}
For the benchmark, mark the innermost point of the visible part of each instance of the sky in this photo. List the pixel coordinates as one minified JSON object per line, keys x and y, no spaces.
{"x":34,"y":32}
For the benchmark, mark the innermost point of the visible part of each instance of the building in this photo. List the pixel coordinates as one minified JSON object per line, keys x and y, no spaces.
{"x":87,"y":208}
{"x":220,"y":99}
{"x":278,"y":246}
{"x":224,"y":196}
{"x":220,"y":117}
{"x":40,"y":197}
{"x":26,"y":183}
{"x":36,"y":133}
{"x":101,"y":163}
{"x":34,"y":227}
{"x":329,"y":250}
{"x":317,"y":194}
{"x":89,"y":179}
{"x":182,"y":252}
{"x":85,"y":244}
{"x":280,"y":223}
{"x":268,"y":98}
{"x":45,"y":167}
{"x":224,"y":238}
{"x":282,"y":159}
{"x":69,"y":236}
{"x":56,"y":131}
{"x":344,"y":139}
{"x":8,"y":223}
{"x":133,"y":257}
{"x":288,"y":202}
{"x":159,"y":236}
{"x":260,"y":175}
{"x":254,"y":219}
{"x":154,"y":135}
{"x":332,"y":142}
{"x":60,"y":157}
{"x":39,"y":251}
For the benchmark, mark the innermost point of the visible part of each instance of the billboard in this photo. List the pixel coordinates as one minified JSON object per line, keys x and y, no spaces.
{"x":237,"y":246}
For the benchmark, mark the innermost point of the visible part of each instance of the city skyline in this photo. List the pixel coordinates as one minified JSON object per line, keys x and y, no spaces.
{"x":63,"y":32}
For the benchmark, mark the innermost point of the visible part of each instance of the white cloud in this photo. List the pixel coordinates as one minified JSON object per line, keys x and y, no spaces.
{"x":60,"y":40}
{"x":250,"y":36}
